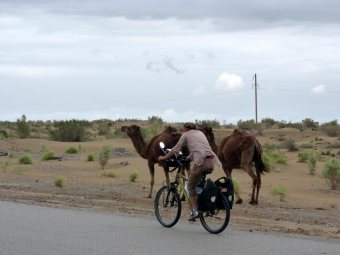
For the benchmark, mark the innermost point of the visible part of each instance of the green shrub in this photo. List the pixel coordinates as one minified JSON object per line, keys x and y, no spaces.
{"x":71,"y":150}
{"x":281,"y":191}
{"x":331,"y":171}
{"x":23,"y":128}
{"x":335,"y":145}
{"x":268,"y":122}
{"x":267,"y":160}
{"x":105,"y":155}
{"x":25,"y":159}
{"x":236,"y":184}
{"x":69,"y":130}
{"x":210,"y":123}
{"x":311,"y":161}
{"x":90,"y":157}
{"x":59,"y":181}
{"x":331,"y":128}
{"x":47,"y":155}
{"x":303,"y":156}
{"x":289,"y":145}
{"x":3,"y":134}
{"x":247,"y":124}
{"x":278,"y":157}
{"x":133,"y":176}
{"x":109,"y":174}
{"x":309,"y":123}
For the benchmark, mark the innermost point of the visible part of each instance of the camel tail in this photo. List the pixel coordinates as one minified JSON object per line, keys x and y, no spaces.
{"x":259,"y":165}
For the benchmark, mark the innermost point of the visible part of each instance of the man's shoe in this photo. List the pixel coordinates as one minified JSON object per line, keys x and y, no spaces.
{"x":194,"y":216}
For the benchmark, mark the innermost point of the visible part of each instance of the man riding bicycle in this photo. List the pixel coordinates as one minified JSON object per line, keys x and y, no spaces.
{"x":202,"y":156}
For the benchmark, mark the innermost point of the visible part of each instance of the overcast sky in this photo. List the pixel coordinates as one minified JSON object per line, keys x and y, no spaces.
{"x":180,"y":60}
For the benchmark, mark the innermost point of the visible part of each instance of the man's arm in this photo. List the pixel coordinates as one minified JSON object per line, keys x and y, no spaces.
{"x":175,"y":150}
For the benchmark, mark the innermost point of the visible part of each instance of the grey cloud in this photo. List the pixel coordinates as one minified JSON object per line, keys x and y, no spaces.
{"x":168,"y":62}
{"x":267,"y":11}
{"x":165,"y":64}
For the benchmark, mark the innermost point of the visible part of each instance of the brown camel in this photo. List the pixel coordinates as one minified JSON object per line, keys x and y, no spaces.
{"x":150,"y":151}
{"x":240,"y":150}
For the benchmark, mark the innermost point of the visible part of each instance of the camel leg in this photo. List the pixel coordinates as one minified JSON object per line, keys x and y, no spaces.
{"x":152,"y":181}
{"x":258,"y":186}
{"x":166,"y":172}
{"x":250,"y":172}
{"x":227,"y":172}
{"x":246,"y":160}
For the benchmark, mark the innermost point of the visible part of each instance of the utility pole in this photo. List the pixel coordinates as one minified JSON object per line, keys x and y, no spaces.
{"x":256,"y":86}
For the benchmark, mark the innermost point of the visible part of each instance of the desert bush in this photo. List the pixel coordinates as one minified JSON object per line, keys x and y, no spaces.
{"x":281,"y":191}
{"x":267,"y":161}
{"x":90,"y":157}
{"x":25,"y":159}
{"x":272,"y":156}
{"x":306,"y":146}
{"x":309,"y":123}
{"x":46,"y":154}
{"x":104,"y":129}
{"x":69,"y":130}
{"x":290,"y":145}
{"x":303,"y":156}
{"x":247,"y":124}
{"x":133,"y":176}
{"x":71,"y":150}
{"x":268,"y":122}
{"x":210,"y":123}
{"x":311,"y":162}
{"x":59,"y":181}
{"x":331,"y":128}
{"x":335,"y":145}
{"x":236,"y":184}
{"x":331,"y":171}
{"x":3,"y":134}
{"x":23,"y":128}
{"x":109,"y":174}
{"x":105,"y":155}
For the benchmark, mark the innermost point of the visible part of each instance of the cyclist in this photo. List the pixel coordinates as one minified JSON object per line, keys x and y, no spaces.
{"x":202,"y":156}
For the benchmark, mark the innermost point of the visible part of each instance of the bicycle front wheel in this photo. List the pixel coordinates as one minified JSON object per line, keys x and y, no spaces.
{"x":215,"y":221}
{"x":167,"y":206}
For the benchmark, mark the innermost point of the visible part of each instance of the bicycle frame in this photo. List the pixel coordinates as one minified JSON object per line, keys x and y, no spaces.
{"x":179,"y":181}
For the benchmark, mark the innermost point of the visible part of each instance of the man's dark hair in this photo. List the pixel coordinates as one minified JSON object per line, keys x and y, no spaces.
{"x":189,"y":125}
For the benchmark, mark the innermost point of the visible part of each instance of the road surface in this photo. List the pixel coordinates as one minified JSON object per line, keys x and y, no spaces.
{"x":30,"y":229}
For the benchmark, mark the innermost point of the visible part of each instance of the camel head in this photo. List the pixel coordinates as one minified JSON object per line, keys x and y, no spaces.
{"x":208,"y":132}
{"x":131,"y":131}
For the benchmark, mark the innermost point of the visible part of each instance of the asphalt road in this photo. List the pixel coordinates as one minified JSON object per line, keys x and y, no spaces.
{"x":29,"y":229}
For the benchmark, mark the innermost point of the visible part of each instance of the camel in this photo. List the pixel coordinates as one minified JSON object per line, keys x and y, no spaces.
{"x":239,"y":150}
{"x":150,"y":151}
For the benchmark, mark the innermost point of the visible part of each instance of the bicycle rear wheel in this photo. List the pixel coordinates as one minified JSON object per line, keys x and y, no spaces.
{"x":215,"y":221}
{"x":167,"y":206}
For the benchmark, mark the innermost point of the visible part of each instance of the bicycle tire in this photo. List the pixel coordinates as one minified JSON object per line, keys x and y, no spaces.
{"x":216,"y":221}
{"x":167,"y":206}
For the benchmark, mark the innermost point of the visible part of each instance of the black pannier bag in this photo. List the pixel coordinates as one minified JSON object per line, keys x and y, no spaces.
{"x":206,"y":195}
{"x":226,"y":187}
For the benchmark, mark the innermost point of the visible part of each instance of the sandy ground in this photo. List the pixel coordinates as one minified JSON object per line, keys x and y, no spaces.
{"x":310,"y":207}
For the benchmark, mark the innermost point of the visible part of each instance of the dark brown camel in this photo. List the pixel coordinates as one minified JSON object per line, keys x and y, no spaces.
{"x":150,"y":151}
{"x":240,"y":150}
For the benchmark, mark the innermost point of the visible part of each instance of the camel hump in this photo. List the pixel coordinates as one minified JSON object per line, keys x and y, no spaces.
{"x":169,"y":129}
{"x":238,"y":131}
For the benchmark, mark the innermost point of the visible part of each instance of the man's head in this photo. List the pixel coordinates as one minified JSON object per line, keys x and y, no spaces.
{"x":188,"y":126}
